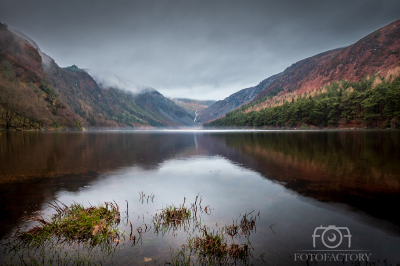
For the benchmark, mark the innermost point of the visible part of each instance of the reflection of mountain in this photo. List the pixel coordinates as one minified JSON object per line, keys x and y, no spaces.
{"x":360,"y":169}
{"x":35,"y":166}
{"x":356,"y":168}
{"x":56,"y":154}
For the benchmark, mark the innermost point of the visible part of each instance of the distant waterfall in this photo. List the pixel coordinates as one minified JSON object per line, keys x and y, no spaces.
{"x":195,"y":117}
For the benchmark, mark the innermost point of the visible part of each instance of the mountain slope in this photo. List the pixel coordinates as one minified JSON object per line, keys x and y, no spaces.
{"x":191,"y":105}
{"x":101,"y":107}
{"x":155,"y":104}
{"x":376,"y":53}
{"x":346,"y":87}
{"x":233,"y":101}
{"x":26,"y":102}
{"x":37,"y":93}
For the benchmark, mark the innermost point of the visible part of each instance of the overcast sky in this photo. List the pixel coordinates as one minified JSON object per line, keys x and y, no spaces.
{"x":195,"y":49}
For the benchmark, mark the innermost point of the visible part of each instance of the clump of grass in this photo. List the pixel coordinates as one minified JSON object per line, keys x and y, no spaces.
{"x":171,"y":217}
{"x":75,"y":223}
{"x":231,"y":230}
{"x":175,"y":215}
{"x":210,"y":244}
{"x":214,"y":247}
{"x":246,"y":225}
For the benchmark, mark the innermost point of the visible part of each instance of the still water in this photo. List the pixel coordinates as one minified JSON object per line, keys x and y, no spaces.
{"x":296,"y":182}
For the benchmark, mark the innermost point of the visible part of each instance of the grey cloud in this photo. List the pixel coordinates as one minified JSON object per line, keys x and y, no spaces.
{"x":199,"y":49}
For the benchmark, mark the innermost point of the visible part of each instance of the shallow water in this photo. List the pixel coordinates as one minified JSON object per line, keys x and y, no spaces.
{"x":296,"y":181}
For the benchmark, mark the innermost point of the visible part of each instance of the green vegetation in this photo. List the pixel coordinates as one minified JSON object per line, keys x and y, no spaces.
{"x":7,"y":71}
{"x":75,"y":223}
{"x":268,"y":96}
{"x":213,"y":247}
{"x":29,"y":105}
{"x":75,"y":235}
{"x":341,"y":103}
{"x":78,"y":235}
{"x":171,"y":217}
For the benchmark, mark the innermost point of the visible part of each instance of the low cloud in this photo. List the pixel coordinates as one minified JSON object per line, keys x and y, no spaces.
{"x":107,"y":80}
{"x":198,"y":49}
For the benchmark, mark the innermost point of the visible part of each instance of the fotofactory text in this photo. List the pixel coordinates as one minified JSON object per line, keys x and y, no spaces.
{"x":336,"y":246}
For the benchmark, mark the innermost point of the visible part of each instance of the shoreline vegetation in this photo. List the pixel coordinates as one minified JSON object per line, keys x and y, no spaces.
{"x":82,"y":235}
{"x":371,"y":103}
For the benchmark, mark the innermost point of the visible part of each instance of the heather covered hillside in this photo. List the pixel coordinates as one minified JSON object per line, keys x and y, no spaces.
{"x":341,"y":104}
{"x":235,"y":100}
{"x":378,"y":53}
{"x":345,"y":87}
{"x":35,"y":93}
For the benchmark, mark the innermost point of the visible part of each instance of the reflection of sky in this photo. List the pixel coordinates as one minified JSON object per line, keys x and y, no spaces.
{"x":231,"y":171}
{"x":230,"y":191}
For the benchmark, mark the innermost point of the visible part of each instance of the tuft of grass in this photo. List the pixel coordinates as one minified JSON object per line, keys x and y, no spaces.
{"x":175,"y":215}
{"x":210,"y":244}
{"x":213,"y":246}
{"x":75,"y":223}
{"x":246,"y":225}
{"x":171,"y":217}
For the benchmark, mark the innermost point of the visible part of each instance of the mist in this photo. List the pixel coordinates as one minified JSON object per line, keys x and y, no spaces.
{"x":107,"y":80}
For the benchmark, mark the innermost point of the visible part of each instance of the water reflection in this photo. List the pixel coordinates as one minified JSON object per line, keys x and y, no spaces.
{"x":357,"y":168}
{"x":358,"y":171}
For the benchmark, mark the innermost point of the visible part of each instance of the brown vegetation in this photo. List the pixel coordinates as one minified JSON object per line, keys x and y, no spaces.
{"x":376,"y":54}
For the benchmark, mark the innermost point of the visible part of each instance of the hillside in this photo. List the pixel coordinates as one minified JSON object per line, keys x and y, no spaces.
{"x":35,"y":93}
{"x":376,"y":54}
{"x":191,"y":105}
{"x":233,"y":101}
{"x":104,"y":107}
{"x":25,"y":100}
{"x":332,"y":83}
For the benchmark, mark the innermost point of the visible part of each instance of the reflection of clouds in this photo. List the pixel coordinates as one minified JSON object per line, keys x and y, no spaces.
{"x":228,"y":177}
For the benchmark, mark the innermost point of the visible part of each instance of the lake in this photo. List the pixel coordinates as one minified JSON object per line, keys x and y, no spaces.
{"x":295,"y":185}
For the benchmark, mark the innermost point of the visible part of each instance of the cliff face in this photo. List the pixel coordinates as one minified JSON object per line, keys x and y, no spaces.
{"x":376,"y":53}
{"x":235,"y":100}
{"x":69,"y":97}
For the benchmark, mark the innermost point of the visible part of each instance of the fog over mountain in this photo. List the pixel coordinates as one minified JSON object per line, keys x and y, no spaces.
{"x":197,"y":49}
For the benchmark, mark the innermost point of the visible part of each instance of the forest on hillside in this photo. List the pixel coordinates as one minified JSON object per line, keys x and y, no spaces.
{"x":340,"y":104}
{"x":29,"y":105}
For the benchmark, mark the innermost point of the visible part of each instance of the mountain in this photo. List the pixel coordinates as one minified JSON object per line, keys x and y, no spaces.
{"x":104,"y":107}
{"x":36,"y":93}
{"x":234,"y":101}
{"x":344,"y":87}
{"x":191,"y":105}
{"x":378,"y":53}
